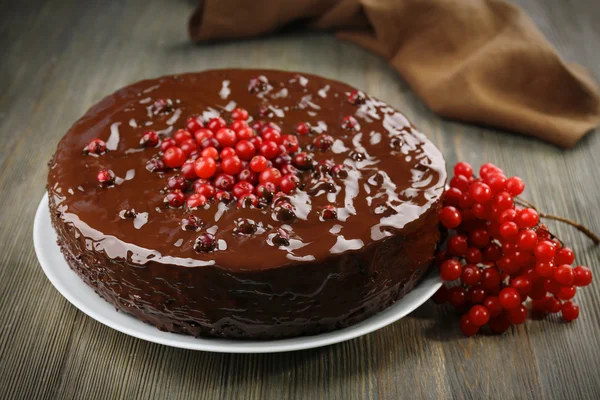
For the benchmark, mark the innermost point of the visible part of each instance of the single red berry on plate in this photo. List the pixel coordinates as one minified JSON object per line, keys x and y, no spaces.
{"x":181,"y":136}
{"x":175,"y":199}
{"x":167,"y":143}
{"x":194,"y":123}
{"x":205,"y":167}
{"x":488,"y":169}
{"x":450,"y":270}
{"x":544,"y":251}
{"x":464,"y":169}
{"x":570,"y":311}
{"x":480,"y":192}
{"x":288,"y":183}
{"x":583,"y":276}
{"x":504,"y":201}
{"x":509,"y":298}
{"x":303,"y":161}
{"x":95,"y":146}
{"x":258,"y":163}
{"x":460,"y":182}
{"x":479,"y":315}
{"x":290,"y":142}
{"x":269,"y":149}
{"x":323,"y":142}
{"x":514,"y":186}
{"x":196,"y":200}
{"x":303,"y":128}
{"x":467,"y":327}
{"x":457,"y":297}
{"x":450,"y":217}
{"x":471,"y":275}
{"x":174,"y":157}
{"x":527,"y":218}
{"x":226,"y":137}
{"x":564,"y":275}
{"x":215,"y":124}
{"x":496,"y":183}
{"x":566,"y":292}
{"x":106,"y":177}
{"x":245,"y":150}
{"x":150,"y":139}
{"x":239,"y":114}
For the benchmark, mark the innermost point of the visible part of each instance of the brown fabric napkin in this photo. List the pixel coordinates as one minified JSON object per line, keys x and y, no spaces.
{"x":480,"y":61}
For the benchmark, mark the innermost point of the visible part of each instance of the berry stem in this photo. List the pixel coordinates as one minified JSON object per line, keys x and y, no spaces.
{"x":586,"y":231}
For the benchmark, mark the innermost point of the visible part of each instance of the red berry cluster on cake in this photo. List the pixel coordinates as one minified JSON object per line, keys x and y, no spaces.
{"x":247,"y":203}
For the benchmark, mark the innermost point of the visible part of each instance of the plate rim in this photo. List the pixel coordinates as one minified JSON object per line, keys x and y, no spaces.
{"x":217,"y":345}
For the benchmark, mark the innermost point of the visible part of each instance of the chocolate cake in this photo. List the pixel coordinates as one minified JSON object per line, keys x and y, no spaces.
{"x":246,"y":203}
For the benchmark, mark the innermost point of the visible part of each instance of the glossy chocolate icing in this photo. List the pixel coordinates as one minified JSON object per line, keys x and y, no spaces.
{"x":333,"y":273}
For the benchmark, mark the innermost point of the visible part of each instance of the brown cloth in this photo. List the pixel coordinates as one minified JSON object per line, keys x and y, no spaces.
{"x":480,"y":61}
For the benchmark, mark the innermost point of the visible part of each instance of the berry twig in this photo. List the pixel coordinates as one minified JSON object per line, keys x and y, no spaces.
{"x":581,"y":228}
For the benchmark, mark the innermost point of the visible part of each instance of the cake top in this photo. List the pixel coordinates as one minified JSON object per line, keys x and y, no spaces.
{"x":242,"y":169}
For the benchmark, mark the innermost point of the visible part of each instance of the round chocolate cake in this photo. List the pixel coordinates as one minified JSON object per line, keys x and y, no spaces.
{"x":246,"y":203}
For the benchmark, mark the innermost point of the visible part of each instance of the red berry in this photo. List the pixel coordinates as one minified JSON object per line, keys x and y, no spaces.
{"x":242,"y":188}
{"x":202,"y":134}
{"x":522,"y":284}
{"x":150,"y":139}
{"x":479,"y":238}
{"x":504,"y":201}
{"x":570,"y":311}
{"x":467,"y":327}
{"x":583,"y":276}
{"x":356,"y":97}
{"x":509,"y":298}
{"x":507,"y":216}
{"x":237,"y":126}
{"x":247,"y":201}
{"x":188,"y":171}
{"x":270,"y":175}
{"x":500,"y":324}
{"x":452,"y":197}
{"x":245,"y":134}
{"x":106,"y":177}
{"x":231,"y":165}
{"x":216,"y":124}
{"x":508,"y":265}
{"x":174,"y":157}
{"x":98,"y":146}
{"x":189,"y":146}
{"x":488,"y":169}
{"x":269,"y":149}
{"x":457,"y":297}
{"x":290,"y":142}
{"x":473,"y":255}
{"x":564,"y":275}
{"x":493,"y":252}
{"x":517,"y":315}
{"x":245,"y":150}
{"x":514,"y":186}
{"x":288,"y":183}
{"x":226,"y":137}
{"x":206,"y":189}
{"x":552,"y":286}
{"x":258,"y":163}
{"x":491,"y":278}
{"x":194,"y":123}
{"x":272,"y":135}
{"x":450,"y":217}
{"x":492,"y":303}
{"x":223,"y":196}
{"x":564,"y":256}
{"x":544,"y":269}
{"x":205,"y":243}
{"x":457,"y":245}
{"x":181,"y":136}
{"x":210,"y":152}
{"x":480,"y":192}
{"x":482,"y":211}
{"x":228,"y":152}
{"x":175,"y":199}
{"x":471,"y":275}
{"x":527,"y":239}
{"x":323,"y":142}
{"x":205,"y":167}
{"x":450,"y":270}
{"x":479,"y":315}
{"x":476,"y":294}
{"x":464,"y":169}
{"x":249,"y":176}
{"x":496,"y":183}
{"x":544,"y":251}
{"x":509,"y":231}
{"x":527,"y":218}
{"x":167,"y":143}
{"x":350,"y":123}
{"x":553,"y":304}
{"x":224,"y":182}
{"x":566,"y":292}
{"x":303,"y":128}
{"x":176,"y":182}
{"x":303,"y":161}
{"x":196,"y":200}
{"x":266,"y":190}
{"x":239,"y":114}
{"x":460,"y":182}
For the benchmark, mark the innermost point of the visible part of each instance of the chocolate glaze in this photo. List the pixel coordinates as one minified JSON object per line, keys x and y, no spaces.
{"x":333,"y":273}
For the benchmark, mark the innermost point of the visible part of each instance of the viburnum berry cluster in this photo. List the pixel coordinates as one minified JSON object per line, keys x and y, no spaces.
{"x":501,"y":256}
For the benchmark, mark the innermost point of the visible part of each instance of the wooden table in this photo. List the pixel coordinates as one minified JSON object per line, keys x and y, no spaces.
{"x":58,"y":58}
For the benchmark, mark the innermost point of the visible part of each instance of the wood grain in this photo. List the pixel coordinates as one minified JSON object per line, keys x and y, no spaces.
{"x":57,"y":58}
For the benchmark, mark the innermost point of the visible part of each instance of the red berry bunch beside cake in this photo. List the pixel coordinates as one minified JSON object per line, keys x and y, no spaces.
{"x":501,"y":256}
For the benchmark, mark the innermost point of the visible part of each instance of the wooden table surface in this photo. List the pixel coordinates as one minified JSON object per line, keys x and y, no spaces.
{"x":57,"y":58}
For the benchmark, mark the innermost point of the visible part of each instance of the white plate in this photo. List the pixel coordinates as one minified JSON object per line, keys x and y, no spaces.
{"x":84,"y":298}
